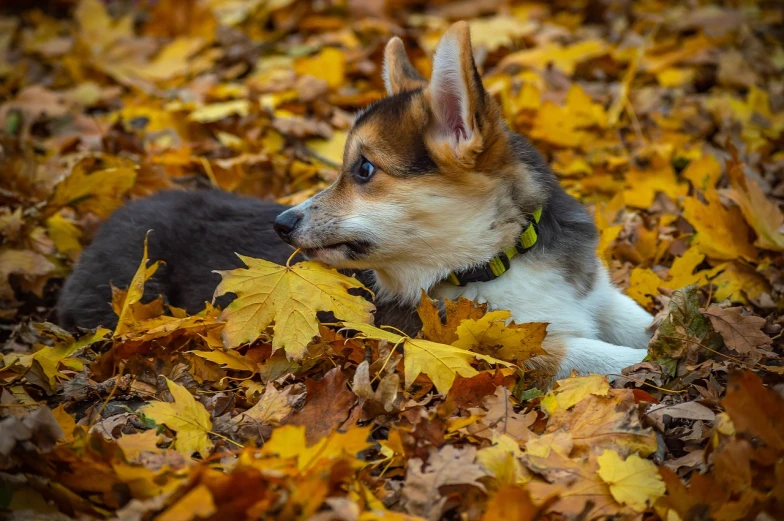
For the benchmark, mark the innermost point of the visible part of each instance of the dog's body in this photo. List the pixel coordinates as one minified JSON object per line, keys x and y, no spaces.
{"x":434,"y":186}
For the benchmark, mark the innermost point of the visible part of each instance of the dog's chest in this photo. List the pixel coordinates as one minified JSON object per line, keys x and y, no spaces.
{"x":532,"y":292}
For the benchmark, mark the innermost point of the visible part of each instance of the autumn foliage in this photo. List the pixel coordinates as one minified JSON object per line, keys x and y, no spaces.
{"x":665,"y":118}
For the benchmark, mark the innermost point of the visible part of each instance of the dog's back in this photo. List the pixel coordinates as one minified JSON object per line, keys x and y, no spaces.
{"x":193,"y":233}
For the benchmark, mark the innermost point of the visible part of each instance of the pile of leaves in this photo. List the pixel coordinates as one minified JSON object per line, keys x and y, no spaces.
{"x":665,"y":118}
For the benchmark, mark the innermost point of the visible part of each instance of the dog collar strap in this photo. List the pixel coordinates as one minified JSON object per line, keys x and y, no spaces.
{"x":499,"y":264}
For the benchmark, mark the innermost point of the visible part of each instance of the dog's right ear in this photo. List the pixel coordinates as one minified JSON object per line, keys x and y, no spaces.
{"x":399,"y":74}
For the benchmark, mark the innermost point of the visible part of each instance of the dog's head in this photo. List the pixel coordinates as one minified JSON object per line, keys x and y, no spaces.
{"x":430,"y":181}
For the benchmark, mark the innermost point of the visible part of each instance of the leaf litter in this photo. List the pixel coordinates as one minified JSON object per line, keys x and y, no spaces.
{"x":665,"y":119}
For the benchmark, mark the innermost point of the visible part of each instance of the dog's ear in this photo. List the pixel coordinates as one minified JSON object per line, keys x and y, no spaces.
{"x":399,"y":74}
{"x":456,"y":95}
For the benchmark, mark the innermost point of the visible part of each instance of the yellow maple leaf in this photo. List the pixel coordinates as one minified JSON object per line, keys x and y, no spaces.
{"x":271,"y":409}
{"x":703,"y":173}
{"x":440,"y":362}
{"x":125,"y":305}
{"x":643,"y":284}
{"x":229,"y":359}
{"x":97,"y":28}
{"x":198,"y":503}
{"x":218,"y":111}
{"x":67,"y":423}
{"x":644,"y":183}
{"x":456,"y":312}
{"x":761,"y":213}
{"x":564,"y":58}
{"x":682,"y":270}
{"x":96,"y":184}
{"x":739,"y":283}
{"x":289,"y":441}
{"x":330,"y":149}
{"x":491,"y":335}
{"x":133,"y":445}
{"x":498,"y":31}
{"x":634,"y":482}
{"x":65,"y":235}
{"x":51,"y":358}
{"x":186,"y":417}
{"x":502,"y":460}
{"x":721,"y":233}
{"x":570,"y":391}
{"x":328,"y":65}
{"x":289,"y":296}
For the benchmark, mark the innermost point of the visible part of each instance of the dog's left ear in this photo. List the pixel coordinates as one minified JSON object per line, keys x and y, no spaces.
{"x":399,"y":74}
{"x":457,"y":98}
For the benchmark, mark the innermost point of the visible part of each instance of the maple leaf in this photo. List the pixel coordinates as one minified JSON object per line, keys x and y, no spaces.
{"x":186,"y":417}
{"x":721,"y":232}
{"x":644,"y":184}
{"x":291,"y":296}
{"x":441,"y":363}
{"x":327,"y":405}
{"x":456,"y":312}
{"x":230,"y":359}
{"x":448,"y":466}
{"x":271,"y":409}
{"x":493,"y":336}
{"x":763,"y":215}
{"x":289,"y":441}
{"x":643,"y":284}
{"x":96,"y":184}
{"x":513,"y":503}
{"x":604,"y":421}
{"x":703,"y":173}
{"x":133,"y":445}
{"x":502,"y":461}
{"x":634,"y":482}
{"x":125,"y":305}
{"x":576,"y":484}
{"x":740,"y":332}
{"x":571,"y":391}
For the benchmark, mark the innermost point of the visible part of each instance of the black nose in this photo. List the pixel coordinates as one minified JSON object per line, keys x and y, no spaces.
{"x":286,"y":223}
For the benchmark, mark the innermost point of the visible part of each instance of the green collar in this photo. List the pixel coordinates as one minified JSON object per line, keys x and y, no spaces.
{"x":499,"y":264}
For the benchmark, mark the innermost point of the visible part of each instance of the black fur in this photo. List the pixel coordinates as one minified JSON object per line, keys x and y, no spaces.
{"x":567,"y":233}
{"x":194,"y":233}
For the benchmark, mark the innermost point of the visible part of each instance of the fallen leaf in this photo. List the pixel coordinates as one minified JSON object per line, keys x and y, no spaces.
{"x":571,"y":391}
{"x":743,"y":333}
{"x":762,"y":214}
{"x":634,"y":482}
{"x":265,"y":294}
{"x":449,"y":466}
{"x":187,"y":417}
{"x":441,"y":363}
{"x":492,"y":335}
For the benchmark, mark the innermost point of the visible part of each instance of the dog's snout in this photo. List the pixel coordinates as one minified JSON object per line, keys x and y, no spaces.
{"x":286,"y":223}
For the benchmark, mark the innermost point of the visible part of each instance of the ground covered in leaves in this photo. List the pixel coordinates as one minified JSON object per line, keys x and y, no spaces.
{"x":666,"y":119}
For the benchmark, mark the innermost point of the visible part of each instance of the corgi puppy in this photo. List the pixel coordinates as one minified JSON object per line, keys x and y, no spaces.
{"x":436,"y":192}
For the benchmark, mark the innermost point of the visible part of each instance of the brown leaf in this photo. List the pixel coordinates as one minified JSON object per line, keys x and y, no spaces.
{"x":740,"y":332}
{"x":450,"y":466}
{"x":328,"y":403}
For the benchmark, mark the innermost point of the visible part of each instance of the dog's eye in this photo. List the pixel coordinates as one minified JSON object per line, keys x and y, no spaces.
{"x":366,"y":170}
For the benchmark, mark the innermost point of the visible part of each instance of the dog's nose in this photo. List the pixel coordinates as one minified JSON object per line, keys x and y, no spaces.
{"x":286,"y":223}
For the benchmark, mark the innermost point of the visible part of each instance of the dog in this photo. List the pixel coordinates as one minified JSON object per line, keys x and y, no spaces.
{"x":435,"y":193}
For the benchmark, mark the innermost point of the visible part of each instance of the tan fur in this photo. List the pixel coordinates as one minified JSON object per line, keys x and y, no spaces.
{"x":399,"y":74}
